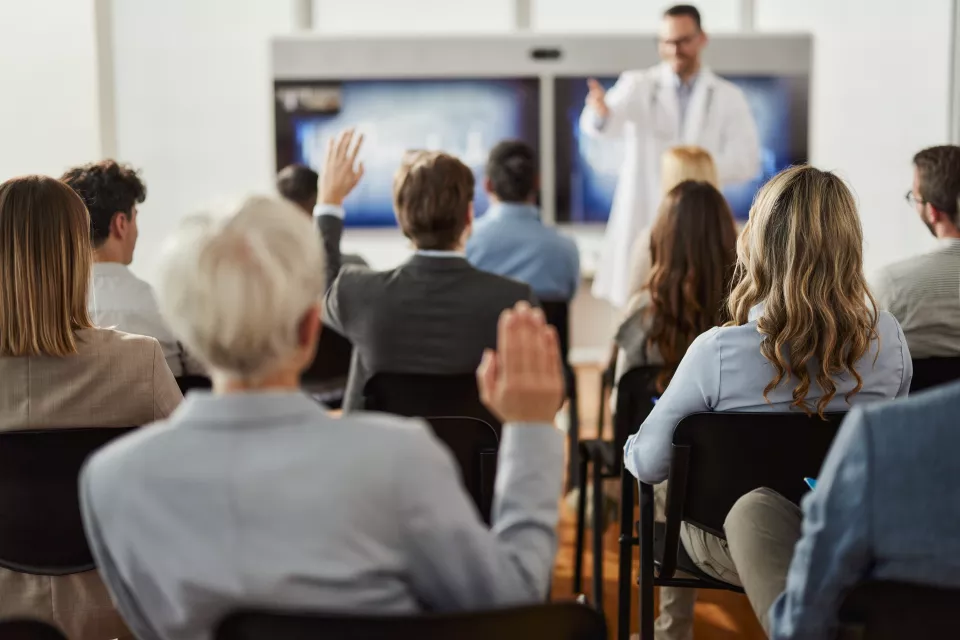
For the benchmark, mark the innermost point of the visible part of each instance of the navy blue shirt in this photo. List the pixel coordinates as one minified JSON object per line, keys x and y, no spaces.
{"x":511,"y":241}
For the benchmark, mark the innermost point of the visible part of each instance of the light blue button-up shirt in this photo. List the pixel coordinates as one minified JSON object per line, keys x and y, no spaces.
{"x":723,"y":370}
{"x":684,"y":93}
{"x":884,"y":509}
{"x":511,"y":241}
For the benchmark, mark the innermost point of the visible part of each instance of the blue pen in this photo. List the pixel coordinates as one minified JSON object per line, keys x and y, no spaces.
{"x":811,"y":482}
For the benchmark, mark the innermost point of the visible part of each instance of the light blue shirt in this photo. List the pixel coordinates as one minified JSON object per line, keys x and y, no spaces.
{"x":884,"y":509}
{"x":723,"y":370}
{"x":262,"y":500}
{"x":511,"y":241}
{"x":684,"y":93}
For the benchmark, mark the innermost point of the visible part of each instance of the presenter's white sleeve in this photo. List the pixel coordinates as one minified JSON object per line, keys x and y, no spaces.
{"x":739,"y":156}
{"x":619,"y":100}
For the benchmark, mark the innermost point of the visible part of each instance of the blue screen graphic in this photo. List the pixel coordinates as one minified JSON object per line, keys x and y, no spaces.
{"x":463,"y":117}
{"x":588,"y":169}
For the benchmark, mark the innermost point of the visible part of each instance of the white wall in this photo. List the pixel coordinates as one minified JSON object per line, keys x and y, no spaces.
{"x":880,"y":94}
{"x":413,"y":16}
{"x":627,"y":15}
{"x":194,"y":104}
{"x":48,"y":110}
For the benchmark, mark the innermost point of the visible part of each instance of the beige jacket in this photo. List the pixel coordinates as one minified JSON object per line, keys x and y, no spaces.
{"x":116,"y":380}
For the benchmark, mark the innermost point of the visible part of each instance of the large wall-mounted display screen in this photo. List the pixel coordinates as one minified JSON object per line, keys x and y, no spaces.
{"x":587,"y":169}
{"x":464,"y":117}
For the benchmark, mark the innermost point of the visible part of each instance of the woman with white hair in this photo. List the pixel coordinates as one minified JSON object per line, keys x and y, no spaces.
{"x":252,"y":496}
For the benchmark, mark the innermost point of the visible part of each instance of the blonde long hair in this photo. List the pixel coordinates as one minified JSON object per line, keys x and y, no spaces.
{"x":683,"y":163}
{"x":801,"y":255}
{"x":45,"y":261}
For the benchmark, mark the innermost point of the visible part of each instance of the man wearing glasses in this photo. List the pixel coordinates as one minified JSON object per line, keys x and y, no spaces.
{"x":923,"y":292}
{"x":678,"y":102}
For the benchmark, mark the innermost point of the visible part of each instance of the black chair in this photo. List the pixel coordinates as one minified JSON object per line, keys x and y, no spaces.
{"x":41,"y":531}
{"x":934,"y":372}
{"x":556,"y":621}
{"x":636,"y":391}
{"x":187,"y":383}
{"x":717,"y":458}
{"x":20,"y":629}
{"x":326,"y":377}
{"x":895,"y":610}
{"x":422,"y":395}
{"x":557,"y":314}
{"x":474,"y":444}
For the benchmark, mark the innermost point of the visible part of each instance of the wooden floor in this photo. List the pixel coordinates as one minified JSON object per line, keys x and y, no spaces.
{"x":720,"y":615}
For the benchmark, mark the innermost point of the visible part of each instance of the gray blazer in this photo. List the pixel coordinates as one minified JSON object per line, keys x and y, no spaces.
{"x":432,"y":315}
{"x":263,"y":500}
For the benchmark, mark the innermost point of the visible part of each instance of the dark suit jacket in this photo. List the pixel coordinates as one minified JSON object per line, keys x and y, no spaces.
{"x":432,"y":315}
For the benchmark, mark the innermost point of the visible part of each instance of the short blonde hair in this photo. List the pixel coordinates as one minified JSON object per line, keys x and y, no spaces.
{"x":680,"y":164}
{"x":801,"y":255}
{"x":235,"y":289}
{"x":45,"y":259}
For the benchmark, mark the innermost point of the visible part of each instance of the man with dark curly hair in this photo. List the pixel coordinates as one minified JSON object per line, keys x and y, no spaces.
{"x":119,"y":299}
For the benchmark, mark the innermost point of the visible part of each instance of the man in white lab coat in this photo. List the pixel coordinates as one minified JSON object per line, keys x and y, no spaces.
{"x":676,"y":102}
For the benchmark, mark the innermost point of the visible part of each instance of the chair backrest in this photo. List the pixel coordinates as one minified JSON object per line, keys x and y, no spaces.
{"x":557,"y":314}
{"x":474,"y":444}
{"x":332,"y":361}
{"x":636,"y":390}
{"x":567,"y":621}
{"x":720,"y":457}
{"x":895,"y":610}
{"x":21,"y":629}
{"x":933,"y":372}
{"x":425,"y":396}
{"x":41,"y":531}
{"x":187,"y":383}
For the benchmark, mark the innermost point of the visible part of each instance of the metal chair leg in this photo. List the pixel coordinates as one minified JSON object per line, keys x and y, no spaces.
{"x":598,"y":522}
{"x":647,"y":614}
{"x":573,"y":434}
{"x":627,"y":542}
{"x":581,"y":525}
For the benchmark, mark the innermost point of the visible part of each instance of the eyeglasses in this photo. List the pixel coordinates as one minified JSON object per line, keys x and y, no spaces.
{"x":681,"y":42}
{"x":913,"y":200}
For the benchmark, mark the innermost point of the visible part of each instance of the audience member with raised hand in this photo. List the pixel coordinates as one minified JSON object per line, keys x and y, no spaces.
{"x":119,"y":299}
{"x":322,"y":195}
{"x":510,"y":240}
{"x":59,"y":371}
{"x":923,"y":292}
{"x":804,"y":335}
{"x":435,"y":314}
{"x":884,"y":508}
{"x":252,"y":496}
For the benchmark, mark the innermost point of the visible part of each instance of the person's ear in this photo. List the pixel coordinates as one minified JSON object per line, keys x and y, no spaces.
{"x":119,"y":225}
{"x":935,"y":215}
{"x":308,"y":333}
{"x":470,"y":215}
{"x":488,"y":186}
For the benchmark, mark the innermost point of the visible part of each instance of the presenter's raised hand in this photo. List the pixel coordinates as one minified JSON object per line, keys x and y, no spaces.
{"x":522,"y":381}
{"x":597,"y":98}
{"x":341,"y":172}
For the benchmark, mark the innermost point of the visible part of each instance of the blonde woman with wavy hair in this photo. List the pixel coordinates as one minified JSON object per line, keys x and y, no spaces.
{"x":678,"y":164}
{"x":805,"y":334}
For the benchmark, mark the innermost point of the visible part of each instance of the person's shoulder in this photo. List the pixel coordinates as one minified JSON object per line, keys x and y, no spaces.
{"x":111,"y":469}
{"x":111,"y":339}
{"x":393,"y":434}
{"x":916,"y":269}
{"x":920,"y":421}
{"x":500,"y":286}
{"x":888,"y":328}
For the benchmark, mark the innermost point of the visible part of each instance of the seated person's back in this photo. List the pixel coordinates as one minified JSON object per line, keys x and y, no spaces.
{"x":510,"y":240}
{"x":923,"y":292}
{"x":254,"y":497}
{"x":435,"y":314}
{"x":58,"y":371}
{"x":119,"y":299}
{"x":693,"y":249}
{"x":799,"y":286}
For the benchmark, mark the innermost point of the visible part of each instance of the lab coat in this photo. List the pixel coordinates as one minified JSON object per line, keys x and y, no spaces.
{"x":645,"y":113}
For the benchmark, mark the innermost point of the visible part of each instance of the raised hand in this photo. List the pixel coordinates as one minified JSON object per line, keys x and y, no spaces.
{"x":597,"y":98}
{"x":340,"y":173}
{"x":522,"y":381}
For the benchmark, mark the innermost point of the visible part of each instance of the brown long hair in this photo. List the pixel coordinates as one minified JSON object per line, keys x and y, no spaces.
{"x":693,"y":250}
{"x":801,"y":255}
{"x":45,"y":258}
